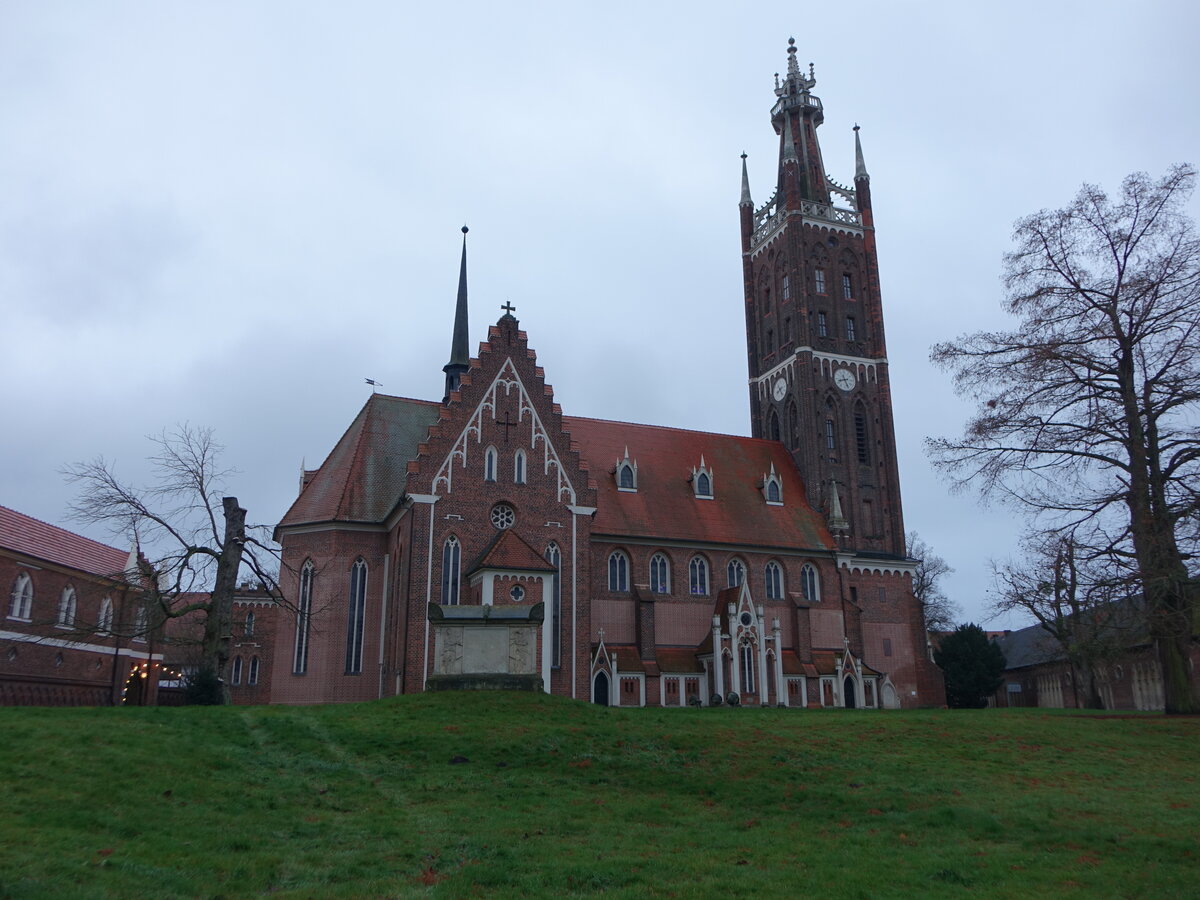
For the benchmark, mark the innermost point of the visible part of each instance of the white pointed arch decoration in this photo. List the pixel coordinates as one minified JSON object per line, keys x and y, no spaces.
{"x":533,"y":430}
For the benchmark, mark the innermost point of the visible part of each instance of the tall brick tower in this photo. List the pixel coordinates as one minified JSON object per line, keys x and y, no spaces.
{"x":814,"y":328}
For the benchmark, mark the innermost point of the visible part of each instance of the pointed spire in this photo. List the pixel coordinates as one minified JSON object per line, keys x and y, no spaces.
{"x":793,"y":66}
{"x":460,"y":358}
{"x":860,"y":167}
{"x":745,"y":201}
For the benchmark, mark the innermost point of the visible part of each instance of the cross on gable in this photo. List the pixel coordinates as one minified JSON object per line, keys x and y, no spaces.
{"x":506,"y":424}
{"x":508,"y":307}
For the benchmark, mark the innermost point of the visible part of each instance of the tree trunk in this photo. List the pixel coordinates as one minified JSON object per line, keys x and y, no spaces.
{"x":218,"y":625}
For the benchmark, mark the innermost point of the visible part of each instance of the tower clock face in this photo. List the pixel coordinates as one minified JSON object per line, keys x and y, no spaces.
{"x":844,"y":379}
{"x":780,"y":389}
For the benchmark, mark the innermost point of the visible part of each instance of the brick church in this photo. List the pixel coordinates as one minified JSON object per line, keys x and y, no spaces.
{"x":487,"y":539}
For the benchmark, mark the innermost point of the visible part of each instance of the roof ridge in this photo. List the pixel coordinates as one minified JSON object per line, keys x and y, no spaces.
{"x":82,"y":537}
{"x":740,"y":437}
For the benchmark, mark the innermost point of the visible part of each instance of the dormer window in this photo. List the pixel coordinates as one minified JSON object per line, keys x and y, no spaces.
{"x":772,"y":488}
{"x":627,"y":474}
{"x":702,"y":481}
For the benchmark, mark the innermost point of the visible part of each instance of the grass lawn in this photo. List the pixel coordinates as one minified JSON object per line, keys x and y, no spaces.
{"x":522,"y":795}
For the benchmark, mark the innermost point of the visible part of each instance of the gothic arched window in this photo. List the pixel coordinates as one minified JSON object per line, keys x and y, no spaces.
{"x":703,"y":485}
{"x":489,"y":464}
{"x":808,"y":584}
{"x":748,"y":668}
{"x":303,"y":619}
{"x":105,"y":620}
{"x":554,"y":557}
{"x":519,"y":467}
{"x":235,"y":677}
{"x":249,"y":627}
{"x":355,"y":616}
{"x":253,"y":678}
{"x":698,"y":576}
{"x":735,"y":573}
{"x":451,"y":559}
{"x":660,"y":574}
{"x":774,"y":575}
{"x":773,"y":426}
{"x":22,"y":597}
{"x":618,"y":571}
{"x":66,"y":608}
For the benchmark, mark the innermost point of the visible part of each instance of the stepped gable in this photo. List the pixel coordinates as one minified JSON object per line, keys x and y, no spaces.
{"x":506,"y":368}
{"x":665,"y":504}
{"x":363,"y":478}
{"x":52,"y":544}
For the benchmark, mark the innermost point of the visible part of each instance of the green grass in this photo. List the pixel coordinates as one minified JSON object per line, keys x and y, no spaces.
{"x":559,"y":798}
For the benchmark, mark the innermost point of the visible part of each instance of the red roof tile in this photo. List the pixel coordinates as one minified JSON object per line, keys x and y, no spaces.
{"x":674,"y":660}
{"x":364,"y":475}
{"x":509,"y":551}
{"x":39,"y":539}
{"x":665,"y":505}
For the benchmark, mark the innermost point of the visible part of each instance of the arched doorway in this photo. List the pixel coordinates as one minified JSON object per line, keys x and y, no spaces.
{"x":849,"y":699}
{"x":600,"y":689}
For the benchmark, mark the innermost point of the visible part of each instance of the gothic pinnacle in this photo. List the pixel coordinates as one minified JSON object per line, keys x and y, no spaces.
{"x":745,"y":201}
{"x":860,"y":167}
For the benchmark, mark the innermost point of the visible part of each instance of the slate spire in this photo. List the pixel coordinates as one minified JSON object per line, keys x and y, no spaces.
{"x":745,"y":201}
{"x":460,"y":357}
{"x":860,"y":167}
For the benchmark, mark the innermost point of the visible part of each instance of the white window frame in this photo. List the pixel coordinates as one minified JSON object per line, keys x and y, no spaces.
{"x":773,"y":572}
{"x":660,"y":582}
{"x":698,"y":576}
{"x":618,"y":572}
{"x":519,"y":467}
{"x":810,"y":583}
{"x":68,"y":604}
{"x":740,"y":567}
{"x":451,"y":571}
{"x":21,"y":605}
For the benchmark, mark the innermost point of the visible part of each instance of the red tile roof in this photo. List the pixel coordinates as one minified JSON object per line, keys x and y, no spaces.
{"x":509,"y":551}
{"x":665,"y":505}
{"x":50,"y":543}
{"x":364,"y":476}
{"x":679,"y":659}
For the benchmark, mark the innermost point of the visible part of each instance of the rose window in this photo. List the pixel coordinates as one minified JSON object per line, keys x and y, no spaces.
{"x":503,"y":516}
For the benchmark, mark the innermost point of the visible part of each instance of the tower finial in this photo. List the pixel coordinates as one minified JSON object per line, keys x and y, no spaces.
{"x":745,"y":201}
{"x":793,"y":66}
{"x":860,"y":167}
{"x":460,"y":358}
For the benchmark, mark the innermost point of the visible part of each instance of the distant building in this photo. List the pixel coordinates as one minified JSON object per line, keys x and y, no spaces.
{"x":1037,"y":673}
{"x":73,"y":632}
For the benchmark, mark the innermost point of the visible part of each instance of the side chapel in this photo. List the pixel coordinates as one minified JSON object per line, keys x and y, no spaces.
{"x":489,"y":540}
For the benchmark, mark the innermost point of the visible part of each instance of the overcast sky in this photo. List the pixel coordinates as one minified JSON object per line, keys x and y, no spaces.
{"x":230,"y":214}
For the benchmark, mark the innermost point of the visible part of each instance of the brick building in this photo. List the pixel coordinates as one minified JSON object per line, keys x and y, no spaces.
{"x":489,"y":539}
{"x":74,"y":633}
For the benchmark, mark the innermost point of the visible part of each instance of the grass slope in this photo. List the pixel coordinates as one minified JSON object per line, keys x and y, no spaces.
{"x":562,"y":798}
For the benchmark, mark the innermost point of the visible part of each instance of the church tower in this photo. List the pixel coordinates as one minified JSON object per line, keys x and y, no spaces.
{"x":814,"y":327}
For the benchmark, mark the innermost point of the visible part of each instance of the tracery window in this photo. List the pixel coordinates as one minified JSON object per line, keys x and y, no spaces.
{"x":451,"y":558}
{"x":698,"y":576}
{"x":774,"y":574}
{"x":735,"y":573}
{"x":618,"y":571}
{"x":808,"y":584}
{"x":554,"y":557}
{"x":660,"y":574}
{"x":356,"y":614}
{"x":303,"y":619}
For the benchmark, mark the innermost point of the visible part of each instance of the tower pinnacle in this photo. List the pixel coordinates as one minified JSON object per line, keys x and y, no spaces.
{"x":745,"y":201}
{"x":860,"y":167}
{"x":460,"y":358}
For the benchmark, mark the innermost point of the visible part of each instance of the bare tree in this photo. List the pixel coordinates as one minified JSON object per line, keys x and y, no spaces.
{"x":192,"y":542}
{"x":1089,"y":409}
{"x":1080,"y":599}
{"x":938,"y":609}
